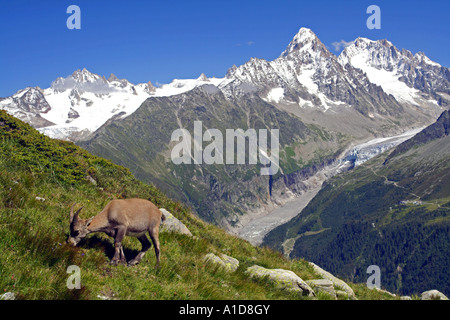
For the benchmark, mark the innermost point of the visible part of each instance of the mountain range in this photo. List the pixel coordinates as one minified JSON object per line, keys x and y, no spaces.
{"x":373,"y":77}
{"x":322,"y":104}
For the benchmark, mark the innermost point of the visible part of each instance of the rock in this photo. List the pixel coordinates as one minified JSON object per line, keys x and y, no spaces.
{"x":337,"y":282}
{"x":172,"y":224}
{"x":342,"y":295}
{"x":433,"y":295}
{"x":230,"y":264}
{"x":8,"y":296}
{"x":405,"y":298}
{"x":282,"y":279}
{"x":393,"y":295}
{"x":322,"y":285}
{"x":91,"y":180}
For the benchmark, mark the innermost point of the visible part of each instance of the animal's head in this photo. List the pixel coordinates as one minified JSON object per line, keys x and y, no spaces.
{"x":78,"y":227}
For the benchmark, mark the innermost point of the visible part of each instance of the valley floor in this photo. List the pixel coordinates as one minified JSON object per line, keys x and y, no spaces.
{"x":255,"y":225}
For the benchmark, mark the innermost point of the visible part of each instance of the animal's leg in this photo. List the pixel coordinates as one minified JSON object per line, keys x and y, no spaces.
{"x":123,"y":259}
{"x":120,"y":233}
{"x":154,"y":235}
{"x":145,"y":246}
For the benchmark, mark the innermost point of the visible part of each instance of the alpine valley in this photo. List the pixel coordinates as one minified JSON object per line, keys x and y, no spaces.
{"x":323,"y":105}
{"x":392,"y":211}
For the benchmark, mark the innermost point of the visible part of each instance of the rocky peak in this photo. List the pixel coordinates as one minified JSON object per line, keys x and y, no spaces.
{"x":202,"y":77}
{"x":112,"y":77}
{"x":231,"y":71}
{"x":416,"y":71}
{"x":32,"y":100}
{"x":150,"y":87}
{"x":308,"y":71}
{"x":380,"y":54}
{"x":304,"y":41}
{"x":85,"y":76}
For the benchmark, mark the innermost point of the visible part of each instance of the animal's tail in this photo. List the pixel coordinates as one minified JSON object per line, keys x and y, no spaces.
{"x":163,"y":217}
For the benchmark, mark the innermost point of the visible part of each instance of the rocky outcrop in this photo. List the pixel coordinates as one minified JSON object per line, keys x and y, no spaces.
{"x":172,"y":224}
{"x":8,"y":296}
{"x":433,"y":295}
{"x":337,"y":282}
{"x":228,"y":263}
{"x":282,"y":279}
{"x":323,"y":285}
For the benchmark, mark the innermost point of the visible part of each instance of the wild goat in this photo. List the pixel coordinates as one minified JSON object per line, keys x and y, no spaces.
{"x":131,"y":217}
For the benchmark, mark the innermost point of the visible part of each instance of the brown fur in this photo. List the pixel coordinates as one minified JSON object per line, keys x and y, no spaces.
{"x":131,"y":217}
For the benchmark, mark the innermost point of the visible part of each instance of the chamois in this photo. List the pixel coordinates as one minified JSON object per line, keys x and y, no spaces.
{"x":131,"y":217}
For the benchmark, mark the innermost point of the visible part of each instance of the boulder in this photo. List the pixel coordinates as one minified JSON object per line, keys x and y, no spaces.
{"x":323,"y":285}
{"x":393,"y":295}
{"x":172,"y":224}
{"x":433,"y":295}
{"x":230,"y":264}
{"x":282,"y":279}
{"x":338,"y":283}
{"x":91,"y":180}
{"x":342,"y":295}
{"x":8,"y":296}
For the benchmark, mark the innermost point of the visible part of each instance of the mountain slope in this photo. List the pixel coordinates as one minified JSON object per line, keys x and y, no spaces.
{"x":439,"y":129}
{"x":392,"y":211}
{"x":219,"y":193}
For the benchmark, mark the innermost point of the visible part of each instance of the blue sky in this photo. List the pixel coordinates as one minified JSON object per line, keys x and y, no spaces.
{"x":161,"y":40}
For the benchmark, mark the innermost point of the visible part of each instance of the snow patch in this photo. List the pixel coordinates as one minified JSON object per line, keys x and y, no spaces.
{"x":275,"y":95}
{"x":387,"y":80}
{"x":306,"y":79}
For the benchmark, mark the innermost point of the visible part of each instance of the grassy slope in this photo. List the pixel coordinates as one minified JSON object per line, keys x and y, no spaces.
{"x":34,"y":257}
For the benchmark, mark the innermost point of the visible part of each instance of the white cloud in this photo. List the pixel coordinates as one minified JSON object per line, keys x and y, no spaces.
{"x":248,"y":43}
{"x":341,"y":44}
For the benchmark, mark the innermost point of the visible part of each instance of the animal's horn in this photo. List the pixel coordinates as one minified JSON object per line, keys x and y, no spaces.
{"x":74,"y":216}
{"x":71,"y":212}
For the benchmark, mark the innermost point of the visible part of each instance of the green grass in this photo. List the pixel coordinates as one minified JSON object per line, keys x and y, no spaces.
{"x":34,"y":256}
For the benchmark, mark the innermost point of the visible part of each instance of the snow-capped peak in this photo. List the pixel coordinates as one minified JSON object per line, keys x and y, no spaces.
{"x":85,"y":76}
{"x":303,"y":40}
{"x":379,"y":54}
{"x":304,"y":35}
{"x":82,"y":81}
{"x":394,"y":70}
